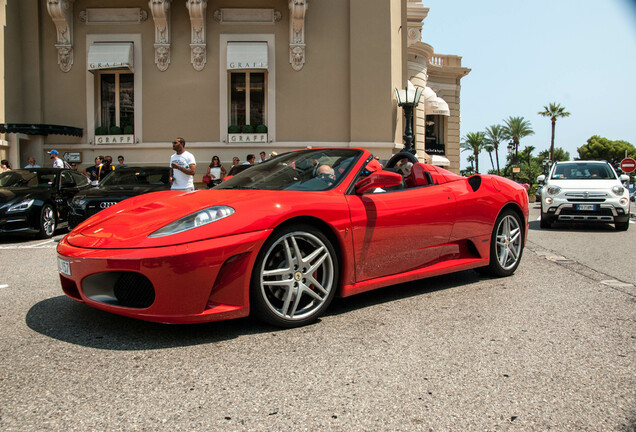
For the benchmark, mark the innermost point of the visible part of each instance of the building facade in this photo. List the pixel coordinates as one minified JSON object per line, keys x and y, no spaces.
{"x":125,"y":77}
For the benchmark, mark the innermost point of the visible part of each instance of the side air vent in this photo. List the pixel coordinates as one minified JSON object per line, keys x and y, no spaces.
{"x":474,"y":182}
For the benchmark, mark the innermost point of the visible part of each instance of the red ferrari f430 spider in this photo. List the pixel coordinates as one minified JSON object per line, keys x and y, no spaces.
{"x":282,"y":238}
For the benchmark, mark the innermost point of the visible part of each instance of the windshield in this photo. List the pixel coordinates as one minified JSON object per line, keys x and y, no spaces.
{"x":307,"y":170}
{"x":26,"y":178}
{"x":583,"y":171}
{"x":138,"y":176}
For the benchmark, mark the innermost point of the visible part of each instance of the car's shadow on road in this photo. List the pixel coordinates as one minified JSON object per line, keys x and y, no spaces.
{"x":572,"y":227}
{"x":67,"y":320}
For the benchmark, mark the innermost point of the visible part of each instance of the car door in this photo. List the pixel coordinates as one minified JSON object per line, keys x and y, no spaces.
{"x":67,"y":189}
{"x":399,"y":231}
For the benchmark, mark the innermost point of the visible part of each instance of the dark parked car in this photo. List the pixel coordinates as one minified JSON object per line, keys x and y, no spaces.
{"x":117,"y":186}
{"x":37,"y":200}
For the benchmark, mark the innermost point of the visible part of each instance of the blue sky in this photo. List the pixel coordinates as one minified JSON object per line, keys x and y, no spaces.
{"x":526,"y":54}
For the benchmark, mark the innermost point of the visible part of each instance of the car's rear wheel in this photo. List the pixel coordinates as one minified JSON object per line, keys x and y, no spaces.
{"x":48,"y":222}
{"x":506,"y":244}
{"x":621,"y":226}
{"x":295,"y":277}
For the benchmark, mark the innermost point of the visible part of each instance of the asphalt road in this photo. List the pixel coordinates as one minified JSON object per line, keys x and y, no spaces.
{"x":552,"y":347}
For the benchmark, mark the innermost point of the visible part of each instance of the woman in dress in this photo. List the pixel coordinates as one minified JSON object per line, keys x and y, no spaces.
{"x":216,"y":172}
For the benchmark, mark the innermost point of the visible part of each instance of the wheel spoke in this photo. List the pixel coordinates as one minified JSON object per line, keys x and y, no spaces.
{"x":297,"y":276}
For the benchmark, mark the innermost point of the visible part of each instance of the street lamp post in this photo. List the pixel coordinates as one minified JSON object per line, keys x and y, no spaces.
{"x":511,"y":150}
{"x":408,"y":99}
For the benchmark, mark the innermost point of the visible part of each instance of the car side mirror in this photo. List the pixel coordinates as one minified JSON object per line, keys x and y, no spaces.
{"x":541,"y":179}
{"x":378,"y":179}
{"x":624,"y":178}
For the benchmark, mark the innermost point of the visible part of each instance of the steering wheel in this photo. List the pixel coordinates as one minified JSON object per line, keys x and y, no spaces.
{"x":398,"y":157}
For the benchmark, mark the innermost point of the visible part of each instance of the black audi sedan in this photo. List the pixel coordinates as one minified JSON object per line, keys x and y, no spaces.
{"x":117,"y":186}
{"x":37,"y":200}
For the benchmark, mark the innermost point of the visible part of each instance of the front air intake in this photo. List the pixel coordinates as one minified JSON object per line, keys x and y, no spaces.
{"x":134,"y":290}
{"x":123,"y":288}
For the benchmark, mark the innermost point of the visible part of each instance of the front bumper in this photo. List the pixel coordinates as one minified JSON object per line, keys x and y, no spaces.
{"x":190,"y":283}
{"x":19,"y":222}
{"x":564,"y":209}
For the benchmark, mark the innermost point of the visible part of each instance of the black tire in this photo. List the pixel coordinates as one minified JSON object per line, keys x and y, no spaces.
{"x":621,"y":226}
{"x":48,"y":221}
{"x":290,"y":292}
{"x":546,"y":221}
{"x":506,"y":245}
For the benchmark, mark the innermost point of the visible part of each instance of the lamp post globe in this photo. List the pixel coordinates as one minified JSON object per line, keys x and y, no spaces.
{"x":408,"y":99}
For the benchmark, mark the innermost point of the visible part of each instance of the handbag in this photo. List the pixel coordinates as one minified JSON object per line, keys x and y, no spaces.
{"x":207,"y":179}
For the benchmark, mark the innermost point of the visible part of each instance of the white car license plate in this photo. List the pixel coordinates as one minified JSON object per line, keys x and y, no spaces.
{"x":64,"y":266}
{"x":586,"y":207}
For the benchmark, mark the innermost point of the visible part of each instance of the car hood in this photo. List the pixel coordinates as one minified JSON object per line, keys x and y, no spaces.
{"x":15,"y":193}
{"x":585,"y":185}
{"x":120,"y":191}
{"x":129,"y":223}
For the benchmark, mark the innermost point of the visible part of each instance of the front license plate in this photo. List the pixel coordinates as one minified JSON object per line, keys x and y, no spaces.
{"x":64,"y":266}
{"x":584,"y":207}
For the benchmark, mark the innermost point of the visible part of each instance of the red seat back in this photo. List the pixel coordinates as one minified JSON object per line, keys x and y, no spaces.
{"x":419,"y":176}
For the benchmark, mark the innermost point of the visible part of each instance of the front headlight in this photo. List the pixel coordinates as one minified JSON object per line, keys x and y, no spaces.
{"x":554,"y":190}
{"x":79,"y":202}
{"x":22,"y":205}
{"x":618,"y":190}
{"x":194,"y":220}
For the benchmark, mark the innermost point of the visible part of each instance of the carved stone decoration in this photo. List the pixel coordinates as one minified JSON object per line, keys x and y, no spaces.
{"x":160,"y":10}
{"x":61,"y":12}
{"x":198,"y":47}
{"x":297,"y":9}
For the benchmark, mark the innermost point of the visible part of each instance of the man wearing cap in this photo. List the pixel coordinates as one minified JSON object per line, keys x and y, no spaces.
{"x":57,"y":162}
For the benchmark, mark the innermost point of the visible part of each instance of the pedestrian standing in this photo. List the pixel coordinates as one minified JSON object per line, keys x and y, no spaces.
{"x":182,"y":167}
{"x":31,"y":163}
{"x":57,"y":162}
{"x":215,"y":171}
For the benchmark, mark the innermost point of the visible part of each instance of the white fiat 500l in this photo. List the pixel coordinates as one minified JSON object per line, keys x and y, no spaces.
{"x":584,"y":191}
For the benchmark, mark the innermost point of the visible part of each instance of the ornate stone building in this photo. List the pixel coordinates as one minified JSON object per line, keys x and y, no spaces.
{"x":96,"y":77}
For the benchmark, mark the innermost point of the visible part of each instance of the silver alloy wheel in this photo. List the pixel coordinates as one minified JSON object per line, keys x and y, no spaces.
{"x":48,"y":221}
{"x":508,"y":242}
{"x":297,"y":276}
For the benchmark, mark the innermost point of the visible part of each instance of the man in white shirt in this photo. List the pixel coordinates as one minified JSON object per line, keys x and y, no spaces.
{"x":57,"y":162}
{"x":182,"y":167}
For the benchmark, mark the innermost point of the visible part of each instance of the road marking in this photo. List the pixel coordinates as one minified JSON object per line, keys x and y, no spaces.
{"x":616,"y":283}
{"x":49,"y":244}
{"x":4,"y":286}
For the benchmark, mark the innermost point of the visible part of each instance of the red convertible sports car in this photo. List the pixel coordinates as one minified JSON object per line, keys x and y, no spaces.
{"x":281,"y":239}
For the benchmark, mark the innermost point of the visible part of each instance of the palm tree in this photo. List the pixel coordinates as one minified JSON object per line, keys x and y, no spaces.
{"x":474,"y":141}
{"x":490,"y":148}
{"x":554,"y":111}
{"x":494,"y":136}
{"x":516,"y":128}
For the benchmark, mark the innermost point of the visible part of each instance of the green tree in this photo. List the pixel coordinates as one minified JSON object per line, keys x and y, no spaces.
{"x":516,"y":128}
{"x":471,"y":169}
{"x":599,"y":148}
{"x":559,"y":155}
{"x":474,"y":141}
{"x":490,"y":148}
{"x":554,"y":111}
{"x":494,"y":137}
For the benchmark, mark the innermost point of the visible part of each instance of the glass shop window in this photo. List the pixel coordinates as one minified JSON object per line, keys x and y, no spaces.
{"x":247,"y":100}
{"x":116,"y":103}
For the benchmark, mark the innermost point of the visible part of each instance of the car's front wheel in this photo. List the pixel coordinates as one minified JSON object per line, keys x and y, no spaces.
{"x":295,"y":277}
{"x":621,"y":226}
{"x":506,"y":244}
{"x":546,"y":221}
{"x":48,"y":222}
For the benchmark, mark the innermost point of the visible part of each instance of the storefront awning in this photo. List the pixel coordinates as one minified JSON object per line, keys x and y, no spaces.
{"x":110,"y":56}
{"x":247,"y":55}
{"x":433,"y":104}
{"x":40,"y":129}
{"x":440,"y":161}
